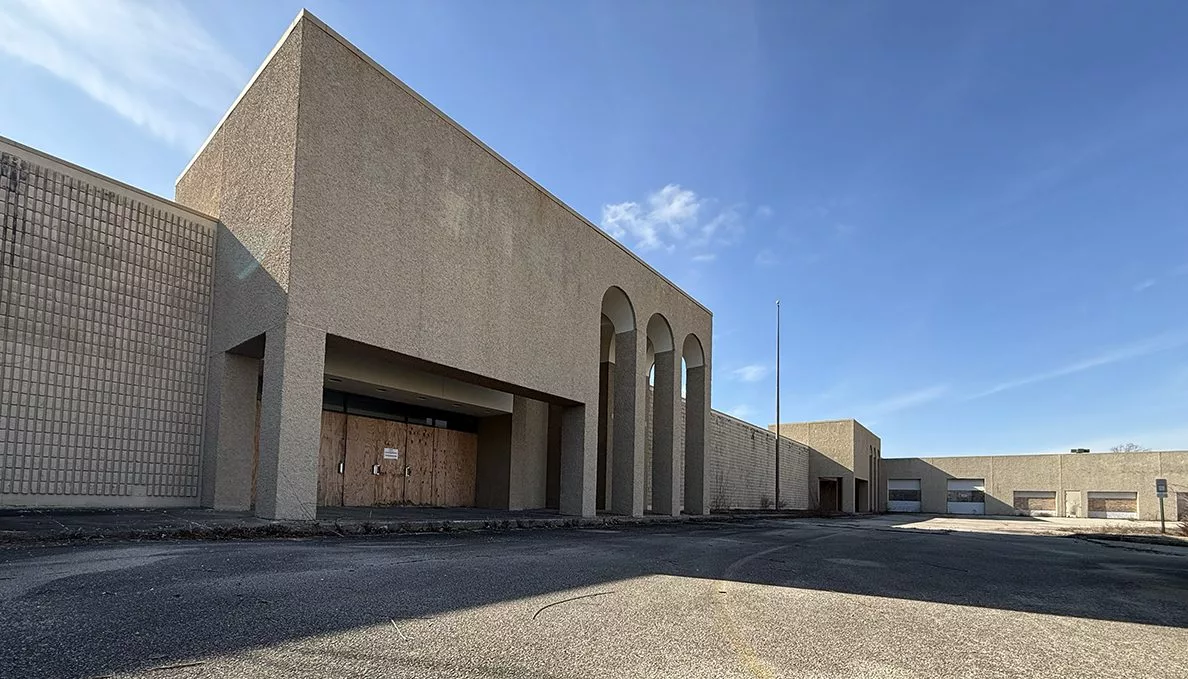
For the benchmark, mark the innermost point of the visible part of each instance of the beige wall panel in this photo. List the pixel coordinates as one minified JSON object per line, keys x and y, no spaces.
{"x":487,"y":267}
{"x":105,"y":294}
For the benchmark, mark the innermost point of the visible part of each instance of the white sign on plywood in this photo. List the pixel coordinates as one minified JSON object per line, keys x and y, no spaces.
{"x":391,"y":453}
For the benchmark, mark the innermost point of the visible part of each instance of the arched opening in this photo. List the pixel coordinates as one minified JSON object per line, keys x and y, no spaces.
{"x":696,"y":387}
{"x":663,"y":411}
{"x":621,"y":380}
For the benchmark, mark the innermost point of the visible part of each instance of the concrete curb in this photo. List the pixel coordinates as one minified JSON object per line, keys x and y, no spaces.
{"x":252,"y":529}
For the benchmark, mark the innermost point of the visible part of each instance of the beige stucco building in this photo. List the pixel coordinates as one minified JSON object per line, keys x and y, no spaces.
{"x":1087,"y":485}
{"x":355,"y":302}
{"x":352,"y":302}
{"x":844,"y":459}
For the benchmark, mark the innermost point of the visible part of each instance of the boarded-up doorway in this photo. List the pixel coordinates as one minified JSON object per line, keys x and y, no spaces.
{"x":367,"y":461}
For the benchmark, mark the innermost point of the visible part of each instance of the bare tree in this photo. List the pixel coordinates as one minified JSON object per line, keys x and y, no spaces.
{"x":1129,"y":448}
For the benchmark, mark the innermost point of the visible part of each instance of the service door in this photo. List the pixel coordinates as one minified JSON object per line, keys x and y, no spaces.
{"x":903,"y":495}
{"x":1072,"y":503}
{"x":1113,"y":505}
{"x":966,"y":496}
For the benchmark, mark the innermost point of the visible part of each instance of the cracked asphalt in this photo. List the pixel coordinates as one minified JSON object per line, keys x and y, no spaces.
{"x":771,"y":598}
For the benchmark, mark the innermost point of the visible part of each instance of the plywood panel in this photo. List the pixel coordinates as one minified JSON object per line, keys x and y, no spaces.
{"x":358,"y":484}
{"x":390,"y":483}
{"x":329,"y":457}
{"x":442,"y":454}
{"x":418,"y":488}
{"x":467,"y":459}
{"x":1035,"y":502}
{"x":455,"y":468}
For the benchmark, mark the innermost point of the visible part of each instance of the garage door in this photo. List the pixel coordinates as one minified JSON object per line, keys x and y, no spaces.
{"x":903,"y":495}
{"x":967,"y":496}
{"x":1035,"y":502}
{"x":1113,"y":505}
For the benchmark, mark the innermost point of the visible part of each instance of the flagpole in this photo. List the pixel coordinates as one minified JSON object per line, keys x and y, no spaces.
{"x":777,"y":442}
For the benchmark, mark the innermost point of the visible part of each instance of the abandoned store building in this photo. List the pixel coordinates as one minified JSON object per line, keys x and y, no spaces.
{"x":351,"y":301}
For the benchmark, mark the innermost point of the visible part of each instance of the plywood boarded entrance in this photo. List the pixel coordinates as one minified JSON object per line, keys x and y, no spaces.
{"x":367,"y":461}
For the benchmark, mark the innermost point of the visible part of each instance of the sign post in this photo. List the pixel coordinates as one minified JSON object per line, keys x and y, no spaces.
{"x":1161,"y":491}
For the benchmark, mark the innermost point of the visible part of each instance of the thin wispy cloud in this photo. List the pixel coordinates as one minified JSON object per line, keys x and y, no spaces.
{"x":1143,"y":285}
{"x":705,"y":257}
{"x":151,"y":63}
{"x":742,"y":411}
{"x":751,"y":373}
{"x":1151,"y":345}
{"x":669,"y":217}
{"x":766,"y":257}
{"x":906,"y":400}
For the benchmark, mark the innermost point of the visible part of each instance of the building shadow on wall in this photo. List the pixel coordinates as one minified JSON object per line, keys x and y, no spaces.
{"x":201,"y":600}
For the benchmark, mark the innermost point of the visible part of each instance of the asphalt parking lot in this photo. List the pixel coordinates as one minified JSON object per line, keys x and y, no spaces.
{"x":795,"y":598}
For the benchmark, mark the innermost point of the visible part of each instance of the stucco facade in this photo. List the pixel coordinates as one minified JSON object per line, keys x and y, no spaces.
{"x":354,"y":209}
{"x":842,"y":452}
{"x":1069,"y":478}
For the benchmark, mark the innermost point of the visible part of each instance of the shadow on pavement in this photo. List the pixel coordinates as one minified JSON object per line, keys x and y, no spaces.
{"x":90,"y":611}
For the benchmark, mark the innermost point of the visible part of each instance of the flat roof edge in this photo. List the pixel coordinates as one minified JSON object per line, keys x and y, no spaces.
{"x":23,"y":148}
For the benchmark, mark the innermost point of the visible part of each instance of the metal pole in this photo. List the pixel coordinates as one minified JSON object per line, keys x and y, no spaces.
{"x":777,"y":446}
{"x":1162,"y":522}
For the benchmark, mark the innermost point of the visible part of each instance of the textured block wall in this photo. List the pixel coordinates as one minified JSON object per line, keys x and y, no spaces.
{"x":740,"y":468}
{"x":104,"y":305}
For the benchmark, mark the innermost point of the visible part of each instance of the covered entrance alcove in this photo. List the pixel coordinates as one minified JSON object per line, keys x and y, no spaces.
{"x":397,"y":431}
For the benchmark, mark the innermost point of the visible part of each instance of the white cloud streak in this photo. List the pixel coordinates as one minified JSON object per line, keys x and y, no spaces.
{"x":751,"y":373}
{"x":907,"y":400}
{"x":670,"y":216}
{"x":742,"y":411}
{"x":1143,"y":285}
{"x":1162,"y":342}
{"x":151,"y":63}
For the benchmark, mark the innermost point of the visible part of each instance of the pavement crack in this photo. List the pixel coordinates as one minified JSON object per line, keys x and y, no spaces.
{"x":572,"y":598}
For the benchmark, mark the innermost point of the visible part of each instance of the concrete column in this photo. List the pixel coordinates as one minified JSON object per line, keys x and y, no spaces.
{"x":696,"y":436}
{"x":627,"y":463}
{"x":579,"y":461}
{"x":290,"y":422}
{"x":230,"y":441}
{"x":606,"y":390}
{"x":665,"y":415}
{"x":494,"y":461}
{"x":529,"y":454}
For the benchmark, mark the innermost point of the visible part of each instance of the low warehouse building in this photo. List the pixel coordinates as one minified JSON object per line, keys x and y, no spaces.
{"x":1084,"y":485}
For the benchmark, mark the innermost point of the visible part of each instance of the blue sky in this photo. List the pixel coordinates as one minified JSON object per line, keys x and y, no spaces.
{"x":975,"y":214}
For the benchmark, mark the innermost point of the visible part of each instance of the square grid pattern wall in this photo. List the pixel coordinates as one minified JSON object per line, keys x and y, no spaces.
{"x":104,"y":302}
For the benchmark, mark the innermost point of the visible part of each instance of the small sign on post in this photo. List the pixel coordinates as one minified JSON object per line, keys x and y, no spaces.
{"x":1161,"y":492}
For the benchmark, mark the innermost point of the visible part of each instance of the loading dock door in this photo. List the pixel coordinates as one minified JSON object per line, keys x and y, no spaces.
{"x":966,"y":496}
{"x":1035,"y":502}
{"x":903,"y":495}
{"x":1113,"y":505}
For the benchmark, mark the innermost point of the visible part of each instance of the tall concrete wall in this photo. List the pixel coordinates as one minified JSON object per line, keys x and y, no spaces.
{"x":104,"y":300}
{"x":741,"y":464}
{"x":1084,"y":472}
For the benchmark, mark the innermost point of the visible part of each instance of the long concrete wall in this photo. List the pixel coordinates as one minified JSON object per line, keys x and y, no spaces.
{"x":741,"y":465}
{"x":1061,"y":473}
{"x":104,"y":300}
